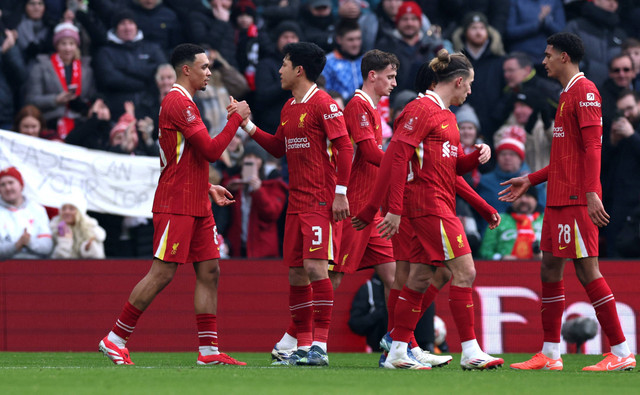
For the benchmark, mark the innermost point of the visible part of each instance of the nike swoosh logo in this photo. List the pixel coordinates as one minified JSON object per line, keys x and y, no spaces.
{"x":311,"y":249}
{"x":554,"y":365}
{"x":562,"y":247}
{"x":444,"y":126}
{"x":284,"y":123}
{"x":416,"y":310}
{"x":617,"y":365}
{"x":469,"y":305}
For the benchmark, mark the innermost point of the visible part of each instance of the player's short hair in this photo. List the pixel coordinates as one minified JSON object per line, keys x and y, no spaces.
{"x":345,"y":26}
{"x":376,"y":60}
{"x":569,"y":43}
{"x":308,"y":55}
{"x":450,"y":66}
{"x":425,"y":79}
{"x":522,"y":58}
{"x":183,"y":54}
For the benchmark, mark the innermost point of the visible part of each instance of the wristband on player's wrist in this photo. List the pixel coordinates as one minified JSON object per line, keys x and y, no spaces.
{"x":250,"y":128}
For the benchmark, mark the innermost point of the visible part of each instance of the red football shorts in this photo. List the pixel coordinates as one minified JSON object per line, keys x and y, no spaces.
{"x":568,"y":232}
{"x":310,"y":236}
{"x":184,"y":239}
{"x":406,"y":246}
{"x":362,"y":249}
{"x":442,"y":238}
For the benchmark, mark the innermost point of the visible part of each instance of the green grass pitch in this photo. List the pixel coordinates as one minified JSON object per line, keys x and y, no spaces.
{"x":177,"y":373}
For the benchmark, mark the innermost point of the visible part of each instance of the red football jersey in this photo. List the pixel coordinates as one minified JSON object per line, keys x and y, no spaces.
{"x":306,"y":129}
{"x":184,"y":178}
{"x":363,"y":123}
{"x":579,"y":106}
{"x":431,"y":128}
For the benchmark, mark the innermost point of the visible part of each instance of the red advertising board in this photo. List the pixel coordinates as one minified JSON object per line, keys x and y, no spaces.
{"x":69,"y":305}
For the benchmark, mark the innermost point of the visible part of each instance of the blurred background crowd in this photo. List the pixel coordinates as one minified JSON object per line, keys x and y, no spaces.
{"x":92,"y":73}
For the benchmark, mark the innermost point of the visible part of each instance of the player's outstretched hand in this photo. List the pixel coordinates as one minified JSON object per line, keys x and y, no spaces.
{"x":485,"y":153}
{"x":340,"y":207}
{"x":389,"y":226}
{"x":220,"y":195}
{"x":596,"y":211}
{"x":495,"y":221}
{"x":516,"y":187}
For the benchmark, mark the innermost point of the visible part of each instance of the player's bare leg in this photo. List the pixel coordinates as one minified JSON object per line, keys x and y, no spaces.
{"x":336,"y":279}
{"x":387,"y":273}
{"x":461,"y":304}
{"x":114,"y":344}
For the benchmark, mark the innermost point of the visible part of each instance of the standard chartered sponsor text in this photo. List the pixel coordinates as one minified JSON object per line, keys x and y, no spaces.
{"x":298,"y":142}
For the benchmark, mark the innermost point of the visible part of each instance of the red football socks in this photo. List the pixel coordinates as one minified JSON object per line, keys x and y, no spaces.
{"x":322,"y":308}
{"x":605,"y":305}
{"x":461,"y":305}
{"x":391,"y":307}
{"x":126,"y":322}
{"x":301,"y":308}
{"x":407,"y":313}
{"x":207,"y":330}
{"x":551,"y":310}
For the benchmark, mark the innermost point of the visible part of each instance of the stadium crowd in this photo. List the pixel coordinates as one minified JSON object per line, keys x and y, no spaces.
{"x":92,"y":73}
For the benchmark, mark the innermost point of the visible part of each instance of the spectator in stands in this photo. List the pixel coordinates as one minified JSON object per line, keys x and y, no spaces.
{"x":621,"y":183}
{"x":248,"y":39}
{"x":270,"y":97}
{"x":530,"y":23}
{"x":253,"y":231}
{"x":631,"y":47}
{"x":379,"y":23}
{"x":351,"y":9}
{"x":212,"y":26}
{"x":510,"y":155}
{"x":519,"y":74}
{"x":497,"y":11}
{"x":131,"y":136}
{"x":12,"y":75}
{"x":318,"y":23}
{"x":24,"y":233}
{"x":75,"y":234}
{"x":530,"y":113}
{"x":275,"y":11}
{"x":34,"y":30}
{"x":126,"y":64}
{"x":342,"y":70}
{"x":62,"y":84}
{"x":225,"y":81}
{"x":599,"y":28}
{"x":30,"y":121}
{"x":158,"y":22}
{"x":483,"y":46}
{"x":148,"y":110}
{"x":94,"y":131}
{"x":409,"y":44}
{"x":469,"y":126}
{"x":621,"y":77}
{"x":518,"y":235}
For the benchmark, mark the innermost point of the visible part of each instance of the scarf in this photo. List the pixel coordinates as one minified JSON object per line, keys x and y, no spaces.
{"x":66,"y":123}
{"x":522,"y":246}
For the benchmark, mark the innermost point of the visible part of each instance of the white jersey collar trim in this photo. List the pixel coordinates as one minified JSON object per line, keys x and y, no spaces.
{"x":365,"y":96}
{"x":181,"y":89}
{"x":573,"y":80}
{"x":435,"y":98}
{"x":312,"y":91}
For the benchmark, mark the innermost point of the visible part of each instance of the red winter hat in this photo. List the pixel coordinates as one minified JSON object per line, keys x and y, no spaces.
{"x":513,"y":139}
{"x":409,"y":7}
{"x":13,"y":172}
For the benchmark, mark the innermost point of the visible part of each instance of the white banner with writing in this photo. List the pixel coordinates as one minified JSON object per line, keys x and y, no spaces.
{"x":111,"y":183}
